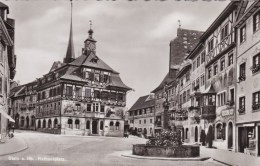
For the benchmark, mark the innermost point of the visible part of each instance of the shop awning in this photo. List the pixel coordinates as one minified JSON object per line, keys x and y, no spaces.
{"x":3,"y":113}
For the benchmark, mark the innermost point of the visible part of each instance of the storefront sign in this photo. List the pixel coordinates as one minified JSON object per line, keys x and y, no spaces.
{"x":227,"y":112}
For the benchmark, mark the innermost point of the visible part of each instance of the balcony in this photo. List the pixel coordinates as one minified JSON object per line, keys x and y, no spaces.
{"x":255,"y":68}
{"x":208,"y":112}
{"x":242,"y":78}
{"x":255,"y":106}
{"x":95,"y":114}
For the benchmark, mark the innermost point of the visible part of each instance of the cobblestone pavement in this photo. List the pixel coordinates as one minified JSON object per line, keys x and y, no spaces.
{"x":78,"y":150}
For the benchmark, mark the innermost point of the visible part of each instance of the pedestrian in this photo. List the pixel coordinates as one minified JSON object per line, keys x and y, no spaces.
{"x":12,"y":126}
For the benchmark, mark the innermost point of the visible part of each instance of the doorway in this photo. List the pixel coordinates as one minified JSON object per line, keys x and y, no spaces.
{"x":27,"y":122}
{"x":94,"y":127}
{"x":196,"y":134}
{"x":230,"y":135}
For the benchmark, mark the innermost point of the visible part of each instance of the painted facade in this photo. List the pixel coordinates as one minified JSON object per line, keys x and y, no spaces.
{"x":248,"y":79}
{"x":81,"y":96}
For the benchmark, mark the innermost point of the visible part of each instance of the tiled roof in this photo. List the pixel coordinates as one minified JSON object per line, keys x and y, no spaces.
{"x":72,"y":74}
{"x":15,"y":90}
{"x":117,"y":82}
{"x":142,"y":102}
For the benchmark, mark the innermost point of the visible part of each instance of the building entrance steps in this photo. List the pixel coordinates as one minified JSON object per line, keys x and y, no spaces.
{"x":12,"y":145}
{"x":230,"y":157}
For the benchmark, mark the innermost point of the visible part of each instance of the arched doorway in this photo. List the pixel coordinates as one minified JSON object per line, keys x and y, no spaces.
{"x":27,"y":122}
{"x":17,"y":120}
{"x":210,"y":136}
{"x":44,"y":124}
{"x":49,"y":124}
{"x":196,"y":134}
{"x":230,"y":135}
{"x":32,"y":121}
{"x":94,"y":127}
{"x":39,"y":124}
{"x":55,"y":123}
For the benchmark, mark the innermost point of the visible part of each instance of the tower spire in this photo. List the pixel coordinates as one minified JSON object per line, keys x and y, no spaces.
{"x":70,"y":55}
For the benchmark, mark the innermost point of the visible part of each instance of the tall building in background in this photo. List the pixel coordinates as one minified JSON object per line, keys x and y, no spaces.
{"x":180,"y":47}
{"x":7,"y":67}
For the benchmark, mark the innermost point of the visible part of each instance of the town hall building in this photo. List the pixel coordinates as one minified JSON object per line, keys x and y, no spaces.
{"x":81,"y":96}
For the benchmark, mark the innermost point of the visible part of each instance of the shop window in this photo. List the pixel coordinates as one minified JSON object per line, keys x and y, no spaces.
{"x":220,"y":131}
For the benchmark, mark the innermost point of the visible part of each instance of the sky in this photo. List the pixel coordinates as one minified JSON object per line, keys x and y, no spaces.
{"x":132,"y":37}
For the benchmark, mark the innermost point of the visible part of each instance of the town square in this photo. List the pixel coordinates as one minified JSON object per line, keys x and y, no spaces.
{"x":129,"y":82}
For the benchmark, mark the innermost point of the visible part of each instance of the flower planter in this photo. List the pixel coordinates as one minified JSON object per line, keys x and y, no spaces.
{"x":183,"y":151}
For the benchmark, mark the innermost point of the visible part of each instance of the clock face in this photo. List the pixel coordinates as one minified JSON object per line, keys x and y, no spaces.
{"x":92,"y":46}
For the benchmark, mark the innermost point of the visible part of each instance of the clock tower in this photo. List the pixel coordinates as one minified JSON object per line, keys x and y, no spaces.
{"x":90,"y":43}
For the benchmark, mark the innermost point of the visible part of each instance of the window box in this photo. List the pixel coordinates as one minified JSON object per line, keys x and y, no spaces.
{"x":255,"y":106}
{"x":242,"y":78}
{"x":255,"y":68}
{"x":241,"y":110}
{"x":230,"y":103}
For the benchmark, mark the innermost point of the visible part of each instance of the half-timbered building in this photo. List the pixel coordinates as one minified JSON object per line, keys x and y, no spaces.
{"x":82,"y":96}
